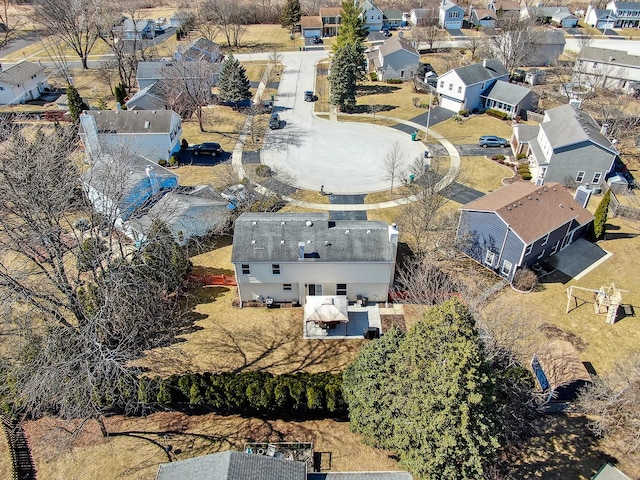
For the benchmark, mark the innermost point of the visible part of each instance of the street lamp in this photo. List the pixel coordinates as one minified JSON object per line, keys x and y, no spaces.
{"x":426,"y":133}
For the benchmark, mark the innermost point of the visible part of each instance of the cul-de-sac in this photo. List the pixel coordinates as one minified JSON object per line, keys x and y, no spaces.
{"x":319,"y":239}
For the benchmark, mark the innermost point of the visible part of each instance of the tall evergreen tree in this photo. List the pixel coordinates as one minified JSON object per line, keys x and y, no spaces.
{"x":347,"y":69}
{"x":290,"y":14}
{"x":601,"y":215}
{"x":233,"y":84}
{"x":76,"y":104}
{"x":352,"y":25}
{"x":432,"y":394}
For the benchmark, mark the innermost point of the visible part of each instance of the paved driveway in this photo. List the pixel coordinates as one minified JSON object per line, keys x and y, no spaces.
{"x":475,"y":150}
{"x":345,"y":157}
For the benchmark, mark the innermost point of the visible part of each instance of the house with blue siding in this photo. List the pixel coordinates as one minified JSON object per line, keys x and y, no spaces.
{"x":450,"y":15}
{"x":520,"y":225}
{"x":570,"y":147}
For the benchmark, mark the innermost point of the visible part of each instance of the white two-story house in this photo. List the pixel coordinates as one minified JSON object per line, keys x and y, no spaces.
{"x":608,"y":69}
{"x":371,"y":15}
{"x":627,"y":14}
{"x":462,"y":88}
{"x":289,"y":256}
{"x":570,"y":148}
{"x":150,"y":133}
{"x":21,"y":83}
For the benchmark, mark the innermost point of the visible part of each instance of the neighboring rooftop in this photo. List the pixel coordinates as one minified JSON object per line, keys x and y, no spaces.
{"x":508,"y":93}
{"x":532,"y":211}
{"x":394,"y":44}
{"x":131,"y":121}
{"x":481,"y":72}
{"x":19,"y":73}
{"x":275,"y":237}
{"x":606,"y":55}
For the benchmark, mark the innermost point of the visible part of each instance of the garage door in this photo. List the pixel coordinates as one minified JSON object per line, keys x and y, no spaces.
{"x":453,"y":25}
{"x":450,"y":104}
{"x":312,"y":32}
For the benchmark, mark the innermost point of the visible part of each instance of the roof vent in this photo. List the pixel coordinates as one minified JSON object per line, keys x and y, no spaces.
{"x":146,"y":124}
{"x":529,"y":197}
{"x":508,"y":208}
{"x":561,"y":206}
{"x":347,"y":232}
{"x":253,"y":242}
{"x":515,"y":205}
{"x":368,"y":231}
{"x":255,"y":223}
{"x":282,"y":222}
{"x":308,"y":242}
{"x":281,"y":242}
{"x":327,"y":243}
{"x":309,"y":223}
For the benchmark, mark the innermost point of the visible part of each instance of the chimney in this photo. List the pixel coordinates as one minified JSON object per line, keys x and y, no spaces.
{"x":300,"y":250}
{"x":484,"y":63}
{"x":604,"y":129}
{"x":153,"y":181}
{"x":393,"y":240}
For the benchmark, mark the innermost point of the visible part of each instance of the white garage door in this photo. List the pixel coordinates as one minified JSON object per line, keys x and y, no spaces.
{"x":310,"y":33}
{"x":450,"y":104}
{"x":453,"y":25}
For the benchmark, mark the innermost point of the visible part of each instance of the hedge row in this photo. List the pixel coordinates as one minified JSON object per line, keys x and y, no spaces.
{"x":497,"y":113}
{"x":318,"y":394}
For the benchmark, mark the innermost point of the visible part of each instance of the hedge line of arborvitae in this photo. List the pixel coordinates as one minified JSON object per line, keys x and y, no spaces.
{"x":249,"y":392}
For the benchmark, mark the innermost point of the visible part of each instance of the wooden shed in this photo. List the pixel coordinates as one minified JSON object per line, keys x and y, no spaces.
{"x":559,"y":371}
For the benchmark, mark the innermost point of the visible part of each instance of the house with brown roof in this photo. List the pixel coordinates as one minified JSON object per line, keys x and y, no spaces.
{"x":311,"y":26}
{"x":331,"y":17}
{"x":21,"y":83}
{"x":482,"y":17}
{"x":520,"y":225}
{"x":396,"y":58}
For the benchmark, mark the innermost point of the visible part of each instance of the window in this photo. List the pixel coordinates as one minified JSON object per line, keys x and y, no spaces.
{"x":341,"y":289}
{"x":451,"y":86}
{"x":441,"y":84}
{"x":401,"y":73}
{"x":275,"y":268}
{"x":580,"y":177}
{"x":459,"y":89}
{"x":546,"y":239}
{"x":315,"y":289}
{"x":245,"y":269}
{"x":286,"y":287}
{"x":489,"y":258}
{"x":180,"y":236}
{"x":506,"y":268}
{"x":528,"y":250}
{"x":596,"y":177}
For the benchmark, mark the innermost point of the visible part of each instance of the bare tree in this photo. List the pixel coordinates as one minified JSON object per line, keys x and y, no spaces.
{"x":187,"y":87}
{"x":392,"y":163}
{"x":74,"y":23}
{"x":473,"y":43}
{"x":513,"y":41}
{"x":423,"y":222}
{"x":374,"y":107}
{"x":613,"y":405}
{"x":427,"y":32}
{"x":229,"y":16}
{"x":10,"y":28}
{"x":79,"y":302}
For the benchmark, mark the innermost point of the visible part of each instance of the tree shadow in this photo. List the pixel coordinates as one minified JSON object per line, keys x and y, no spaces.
{"x":360,"y":109}
{"x":375,"y":89}
{"x":564,"y":448}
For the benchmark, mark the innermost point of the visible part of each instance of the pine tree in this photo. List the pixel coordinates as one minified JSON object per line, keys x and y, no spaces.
{"x":233,"y":84}
{"x":601,"y":215}
{"x":347,"y":69}
{"x":120,"y":93}
{"x":352,"y":25}
{"x":432,"y":395}
{"x":76,"y":105}
{"x":290,"y":14}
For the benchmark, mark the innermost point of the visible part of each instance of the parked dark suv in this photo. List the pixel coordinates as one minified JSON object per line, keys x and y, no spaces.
{"x":309,"y":96}
{"x":492,"y":141}
{"x":274,"y":121}
{"x":207,"y":148}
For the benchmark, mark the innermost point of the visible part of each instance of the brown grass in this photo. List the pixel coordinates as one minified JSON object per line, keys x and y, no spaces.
{"x":483,"y":174}
{"x":471,"y":128}
{"x":396,"y":100}
{"x":135,"y":448}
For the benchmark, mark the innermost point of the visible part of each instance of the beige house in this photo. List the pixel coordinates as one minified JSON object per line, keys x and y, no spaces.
{"x":286,"y":257}
{"x":395,"y":59}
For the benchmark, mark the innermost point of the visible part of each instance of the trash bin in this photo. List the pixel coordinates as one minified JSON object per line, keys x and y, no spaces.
{"x":273,"y":97}
{"x":412,"y":177}
{"x":426,"y":154}
{"x":414,"y":136}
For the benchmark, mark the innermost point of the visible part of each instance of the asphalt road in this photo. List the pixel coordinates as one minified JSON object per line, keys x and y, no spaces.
{"x":345,"y":157}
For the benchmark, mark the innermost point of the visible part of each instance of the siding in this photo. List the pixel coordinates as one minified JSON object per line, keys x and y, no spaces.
{"x":586,"y":157}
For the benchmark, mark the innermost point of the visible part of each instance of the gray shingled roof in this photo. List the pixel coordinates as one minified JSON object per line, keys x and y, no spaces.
{"x":131,"y":121}
{"x":360,"y":476}
{"x":551,"y":36}
{"x":18,"y":74}
{"x":609,"y":472}
{"x":508,"y":93}
{"x":274,"y":237}
{"x":568,"y":126}
{"x":449,"y":5}
{"x":394,"y":44}
{"x":478,"y":72}
{"x":627,"y":5}
{"x":150,"y":69}
{"x":392,"y":14}
{"x":606,"y":55}
{"x":233,"y":466}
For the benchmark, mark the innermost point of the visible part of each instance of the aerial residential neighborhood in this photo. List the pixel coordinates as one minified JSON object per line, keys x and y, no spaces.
{"x":366,"y":240}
